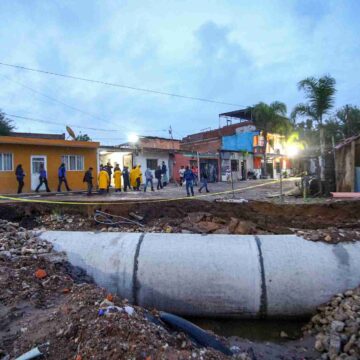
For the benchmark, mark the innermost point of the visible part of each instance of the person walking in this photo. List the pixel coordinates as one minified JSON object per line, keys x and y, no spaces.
{"x":204,"y":181}
{"x":43,"y":179}
{"x":149,"y":179}
{"x":181,"y":174}
{"x":194,"y":169}
{"x":20,"y":174}
{"x":158,"y":174}
{"x":88,"y":179}
{"x":138,"y":177}
{"x":62,"y":177}
{"x":109,"y":168}
{"x":164,"y":174}
{"x":133,"y":177}
{"x":126,"y":177}
{"x":189,"y":180}
{"x":117,"y":178}
{"x":103,"y":180}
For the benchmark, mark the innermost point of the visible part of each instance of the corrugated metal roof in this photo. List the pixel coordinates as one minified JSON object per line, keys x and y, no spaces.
{"x":347,"y":141}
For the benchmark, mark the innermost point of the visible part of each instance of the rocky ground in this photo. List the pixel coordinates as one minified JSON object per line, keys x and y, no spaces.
{"x":199,"y":222}
{"x":337,"y":327}
{"x":45,"y":302}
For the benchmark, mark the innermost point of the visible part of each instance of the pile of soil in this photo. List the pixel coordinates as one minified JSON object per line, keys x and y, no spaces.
{"x":337,"y":327}
{"x":45,"y":302}
{"x":314,"y":222}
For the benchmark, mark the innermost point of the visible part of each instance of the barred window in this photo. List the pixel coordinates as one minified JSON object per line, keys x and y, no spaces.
{"x":152,"y":164}
{"x":73,"y":162}
{"x":6,"y":162}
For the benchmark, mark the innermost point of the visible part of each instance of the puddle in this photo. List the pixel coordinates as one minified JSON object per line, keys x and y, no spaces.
{"x":254,"y":330}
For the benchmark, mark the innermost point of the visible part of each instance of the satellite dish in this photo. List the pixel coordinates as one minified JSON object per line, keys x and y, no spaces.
{"x":70,"y":131}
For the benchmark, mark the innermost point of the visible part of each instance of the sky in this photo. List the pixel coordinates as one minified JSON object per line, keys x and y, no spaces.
{"x":233,"y":51}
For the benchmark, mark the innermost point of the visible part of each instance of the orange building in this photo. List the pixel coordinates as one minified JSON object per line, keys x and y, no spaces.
{"x":30,"y":152}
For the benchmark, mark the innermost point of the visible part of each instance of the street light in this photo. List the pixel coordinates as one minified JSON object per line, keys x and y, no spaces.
{"x":133,"y":138}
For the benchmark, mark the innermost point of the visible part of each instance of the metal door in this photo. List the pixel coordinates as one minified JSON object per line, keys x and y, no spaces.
{"x":36,"y":162}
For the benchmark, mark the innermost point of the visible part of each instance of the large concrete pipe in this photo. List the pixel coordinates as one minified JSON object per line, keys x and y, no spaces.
{"x":215,"y":275}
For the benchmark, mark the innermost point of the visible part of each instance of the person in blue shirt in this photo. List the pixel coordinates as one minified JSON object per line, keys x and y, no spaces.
{"x":189,"y":178}
{"x":20,"y":174}
{"x":62,"y":177}
{"x":43,"y":179}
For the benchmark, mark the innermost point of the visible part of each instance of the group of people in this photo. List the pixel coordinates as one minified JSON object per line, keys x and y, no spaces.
{"x":125,"y":179}
{"x":20,"y":176}
{"x":190,"y":178}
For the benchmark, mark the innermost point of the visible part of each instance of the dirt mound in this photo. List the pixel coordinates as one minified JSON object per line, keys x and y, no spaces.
{"x":45,"y":302}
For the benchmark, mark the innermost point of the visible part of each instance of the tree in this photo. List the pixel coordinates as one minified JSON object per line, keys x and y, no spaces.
{"x":5,"y":125}
{"x":320,"y":95}
{"x":270,"y":118}
{"x":348,"y":118}
{"x":83,"y":137}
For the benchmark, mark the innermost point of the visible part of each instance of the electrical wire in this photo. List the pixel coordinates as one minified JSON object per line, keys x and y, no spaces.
{"x":120,"y":85}
{"x":74,"y":126}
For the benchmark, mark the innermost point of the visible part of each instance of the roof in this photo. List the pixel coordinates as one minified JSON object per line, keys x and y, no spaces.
{"x":239,"y":114}
{"x":48,"y":142}
{"x":216,"y":133}
{"x":38,"y":136}
{"x":347,"y":141}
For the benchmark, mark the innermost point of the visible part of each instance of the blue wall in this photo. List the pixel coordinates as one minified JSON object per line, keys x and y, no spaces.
{"x":239,"y":142}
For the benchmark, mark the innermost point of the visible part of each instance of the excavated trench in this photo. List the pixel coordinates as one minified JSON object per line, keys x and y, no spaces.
{"x":195,"y":216}
{"x":263,"y":217}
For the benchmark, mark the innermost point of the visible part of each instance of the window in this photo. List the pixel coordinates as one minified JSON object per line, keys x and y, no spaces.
{"x":73,"y":162}
{"x":234,"y":165}
{"x":6,"y":162}
{"x":152,"y":164}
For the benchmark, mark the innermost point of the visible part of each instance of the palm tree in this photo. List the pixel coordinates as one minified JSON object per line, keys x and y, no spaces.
{"x":319,"y":93}
{"x":270,"y":118}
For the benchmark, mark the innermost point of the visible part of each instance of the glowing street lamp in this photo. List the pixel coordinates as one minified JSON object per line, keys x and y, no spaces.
{"x":292,"y":150}
{"x":133,"y":138}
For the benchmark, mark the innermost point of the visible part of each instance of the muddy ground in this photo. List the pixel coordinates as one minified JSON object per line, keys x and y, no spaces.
{"x":63,"y":307}
{"x":330,"y":222}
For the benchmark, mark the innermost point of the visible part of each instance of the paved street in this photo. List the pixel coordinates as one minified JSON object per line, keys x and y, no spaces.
{"x":266,"y":190}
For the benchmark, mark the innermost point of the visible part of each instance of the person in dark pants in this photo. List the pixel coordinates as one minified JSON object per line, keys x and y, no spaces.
{"x":20,"y":174}
{"x":43,"y":179}
{"x":109,"y":168}
{"x":148,"y":180}
{"x":88,"y":178}
{"x":204,"y":179}
{"x":62,"y":177}
{"x":189,"y":180}
{"x":126,"y":177}
{"x":164,"y":173}
{"x":158,"y":174}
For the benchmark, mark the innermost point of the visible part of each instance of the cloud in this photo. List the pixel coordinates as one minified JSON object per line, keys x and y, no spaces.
{"x":238,"y":52}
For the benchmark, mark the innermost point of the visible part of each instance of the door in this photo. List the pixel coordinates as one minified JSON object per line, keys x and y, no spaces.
{"x":36,"y":162}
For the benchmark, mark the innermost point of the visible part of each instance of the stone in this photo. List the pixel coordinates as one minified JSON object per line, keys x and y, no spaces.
{"x":232,"y":225}
{"x":284,"y":335}
{"x":207,"y":226}
{"x":337,"y":326}
{"x":350,"y":343}
{"x":245,"y":227}
{"x":335,"y":344}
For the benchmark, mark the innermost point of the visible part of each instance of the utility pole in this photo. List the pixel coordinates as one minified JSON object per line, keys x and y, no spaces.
{"x":173,"y":150}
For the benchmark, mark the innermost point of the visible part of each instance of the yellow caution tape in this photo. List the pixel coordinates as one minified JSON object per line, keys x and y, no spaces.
{"x":116,"y":202}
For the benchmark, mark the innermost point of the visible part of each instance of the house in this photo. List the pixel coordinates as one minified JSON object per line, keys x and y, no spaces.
{"x":149,"y":152}
{"x":32,"y":150}
{"x":347,"y":165}
{"x":244,"y":152}
{"x":208,"y":146}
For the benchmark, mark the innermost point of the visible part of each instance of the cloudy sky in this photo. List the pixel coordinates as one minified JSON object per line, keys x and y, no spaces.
{"x":233,"y":51}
